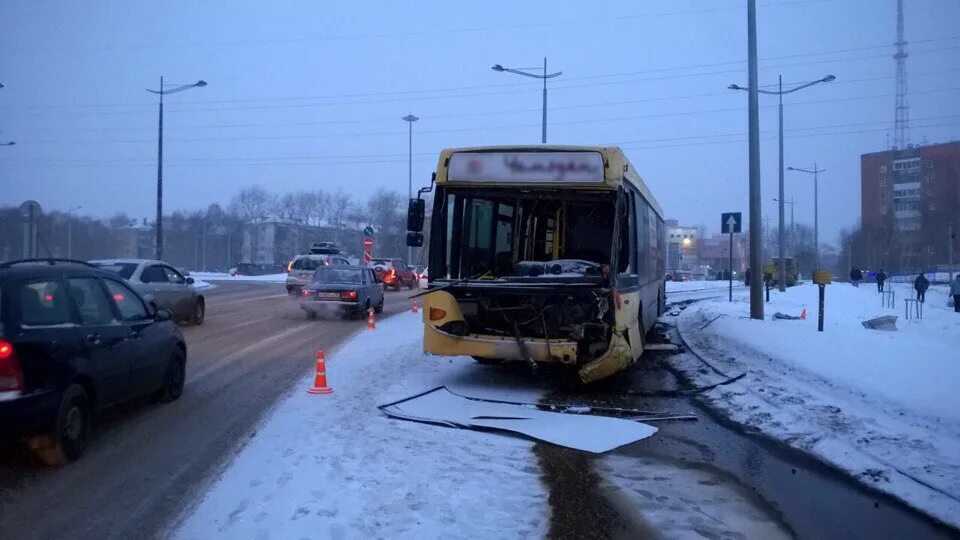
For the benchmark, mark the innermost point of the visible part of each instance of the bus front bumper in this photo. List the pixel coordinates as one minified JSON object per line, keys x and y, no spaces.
{"x":436,"y":341}
{"x":617,"y":357}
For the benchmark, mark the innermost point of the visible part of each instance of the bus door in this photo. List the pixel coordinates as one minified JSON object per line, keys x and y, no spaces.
{"x":628,"y":277}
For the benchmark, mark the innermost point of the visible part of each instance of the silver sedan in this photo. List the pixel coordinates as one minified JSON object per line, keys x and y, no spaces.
{"x":161,"y":284}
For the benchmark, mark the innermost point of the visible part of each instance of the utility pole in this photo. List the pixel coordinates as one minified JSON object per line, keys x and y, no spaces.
{"x":410,"y":119}
{"x":756,"y":285}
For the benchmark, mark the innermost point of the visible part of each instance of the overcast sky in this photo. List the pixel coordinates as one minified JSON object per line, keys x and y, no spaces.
{"x":307,"y":95}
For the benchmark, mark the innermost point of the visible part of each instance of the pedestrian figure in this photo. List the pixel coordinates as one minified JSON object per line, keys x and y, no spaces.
{"x":855,"y":276}
{"x":746,"y":277}
{"x":955,"y":292}
{"x":881,"y":277}
{"x":921,"y":284}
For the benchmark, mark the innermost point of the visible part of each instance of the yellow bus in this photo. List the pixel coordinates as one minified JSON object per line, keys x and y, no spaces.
{"x":543,"y":254}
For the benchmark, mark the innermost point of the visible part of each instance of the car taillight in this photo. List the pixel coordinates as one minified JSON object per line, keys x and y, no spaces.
{"x":436,"y":314}
{"x":290,"y":266}
{"x":306,"y":292}
{"x":348,"y":295}
{"x":11,"y":377}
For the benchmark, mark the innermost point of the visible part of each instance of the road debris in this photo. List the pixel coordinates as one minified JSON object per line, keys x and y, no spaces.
{"x":590,"y":433}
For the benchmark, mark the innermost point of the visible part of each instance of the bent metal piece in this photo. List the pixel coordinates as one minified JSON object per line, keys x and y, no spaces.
{"x":589,"y":433}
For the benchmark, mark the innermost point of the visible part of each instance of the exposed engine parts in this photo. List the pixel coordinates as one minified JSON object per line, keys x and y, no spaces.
{"x":583,"y":316}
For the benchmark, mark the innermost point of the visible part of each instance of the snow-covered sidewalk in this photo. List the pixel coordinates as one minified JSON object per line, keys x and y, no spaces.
{"x":335,"y":466}
{"x":883,"y":406}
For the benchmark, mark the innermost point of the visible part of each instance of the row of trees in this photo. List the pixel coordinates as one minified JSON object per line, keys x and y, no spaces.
{"x":218,"y":237}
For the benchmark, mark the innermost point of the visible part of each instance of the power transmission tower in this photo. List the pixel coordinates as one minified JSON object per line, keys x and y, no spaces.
{"x":901,"y":123}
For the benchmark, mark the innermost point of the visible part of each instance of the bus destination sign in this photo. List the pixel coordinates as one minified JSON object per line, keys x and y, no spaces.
{"x":524,"y":167}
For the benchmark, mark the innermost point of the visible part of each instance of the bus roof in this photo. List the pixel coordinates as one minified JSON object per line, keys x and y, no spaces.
{"x":581,"y":169}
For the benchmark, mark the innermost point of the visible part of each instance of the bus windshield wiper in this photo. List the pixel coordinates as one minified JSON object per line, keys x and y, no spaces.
{"x":451,"y":284}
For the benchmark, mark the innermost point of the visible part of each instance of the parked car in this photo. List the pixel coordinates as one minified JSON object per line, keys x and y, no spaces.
{"x":75,"y":339}
{"x":394,"y":273}
{"x":161,"y":284}
{"x":300,"y":270}
{"x":350,"y":289}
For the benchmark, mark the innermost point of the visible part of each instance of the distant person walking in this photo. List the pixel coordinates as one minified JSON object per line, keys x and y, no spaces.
{"x":746,"y":277}
{"x":881,"y":277}
{"x":921,"y":284}
{"x":855,"y":276}
{"x":955,"y":292}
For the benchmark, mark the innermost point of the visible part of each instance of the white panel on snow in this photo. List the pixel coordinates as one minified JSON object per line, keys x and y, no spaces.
{"x":596,"y":434}
{"x":521,"y":167}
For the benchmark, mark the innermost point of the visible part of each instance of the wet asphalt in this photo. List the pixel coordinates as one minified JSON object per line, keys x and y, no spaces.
{"x":799,"y":495}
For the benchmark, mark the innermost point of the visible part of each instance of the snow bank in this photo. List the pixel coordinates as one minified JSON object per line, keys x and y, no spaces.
{"x":882,"y":405}
{"x":334,"y":466}
{"x":219,"y":276}
{"x":679,"y":286}
{"x":200,"y":284}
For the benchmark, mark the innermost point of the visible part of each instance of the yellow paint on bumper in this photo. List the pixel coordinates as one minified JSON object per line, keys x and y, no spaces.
{"x":436,"y":341}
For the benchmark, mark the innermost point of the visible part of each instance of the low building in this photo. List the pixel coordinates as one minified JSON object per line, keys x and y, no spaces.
{"x":683,"y":247}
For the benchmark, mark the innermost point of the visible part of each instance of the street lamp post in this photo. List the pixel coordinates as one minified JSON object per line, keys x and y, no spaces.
{"x":781,"y":270}
{"x":816,"y":200}
{"x":410,"y":119}
{"x":161,"y":92}
{"x":792,"y":203}
{"x":544,"y":76}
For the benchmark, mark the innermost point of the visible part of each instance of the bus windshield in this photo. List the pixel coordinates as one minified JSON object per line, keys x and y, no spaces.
{"x":505,"y":232}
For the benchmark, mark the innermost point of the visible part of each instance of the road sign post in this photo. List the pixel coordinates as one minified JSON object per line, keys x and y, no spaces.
{"x":730,"y":223}
{"x":822,"y":278}
{"x":30,"y":216}
{"x":367,"y":249}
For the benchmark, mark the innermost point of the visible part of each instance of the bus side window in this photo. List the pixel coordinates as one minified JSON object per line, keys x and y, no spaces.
{"x":643,"y":238}
{"x":624,"y":254}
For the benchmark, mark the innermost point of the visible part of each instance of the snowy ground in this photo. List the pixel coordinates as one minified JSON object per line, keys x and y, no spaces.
{"x":883,"y":406}
{"x":335,"y":466}
{"x":219,"y":276}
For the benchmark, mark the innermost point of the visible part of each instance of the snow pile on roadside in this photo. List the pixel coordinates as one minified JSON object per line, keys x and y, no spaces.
{"x":679,"y":286}
{"x":201,"y":284}
{"x":334,"y":466}
{"x":882,"y":405}
{"x":219,"y":276}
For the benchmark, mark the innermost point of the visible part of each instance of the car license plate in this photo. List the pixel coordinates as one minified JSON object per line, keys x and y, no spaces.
{"x":328,"y":295}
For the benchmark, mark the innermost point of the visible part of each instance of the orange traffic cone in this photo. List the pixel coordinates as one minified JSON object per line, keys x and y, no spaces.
{"x":803,"y":314}
{"x":415,"y":310}
{"x":320,"y":380}
{"x":371,"y":324}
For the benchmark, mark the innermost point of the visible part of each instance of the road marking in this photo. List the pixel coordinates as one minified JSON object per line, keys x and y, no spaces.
{"x":216,"y":364}
{"x":245,"y":300}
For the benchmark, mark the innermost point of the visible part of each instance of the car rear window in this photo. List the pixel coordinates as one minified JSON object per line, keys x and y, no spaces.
{"x":307,"y":263}
{"x":124,"y":270}
{"x":43,"y":303}
{"x":337,"y":275}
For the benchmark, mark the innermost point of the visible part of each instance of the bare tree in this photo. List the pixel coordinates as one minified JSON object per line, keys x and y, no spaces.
{"x":253,"y":205}
{"x":339,"y":206}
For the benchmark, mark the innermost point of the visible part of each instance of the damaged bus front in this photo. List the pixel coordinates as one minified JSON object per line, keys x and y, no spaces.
{"x":542,"y":255}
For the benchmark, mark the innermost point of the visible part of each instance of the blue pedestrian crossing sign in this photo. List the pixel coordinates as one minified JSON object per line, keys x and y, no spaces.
{"x":730,"y":222}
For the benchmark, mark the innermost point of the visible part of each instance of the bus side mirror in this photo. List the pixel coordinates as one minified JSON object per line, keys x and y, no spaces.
{"x":415,"y":239}
{"x":415,"y":215}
